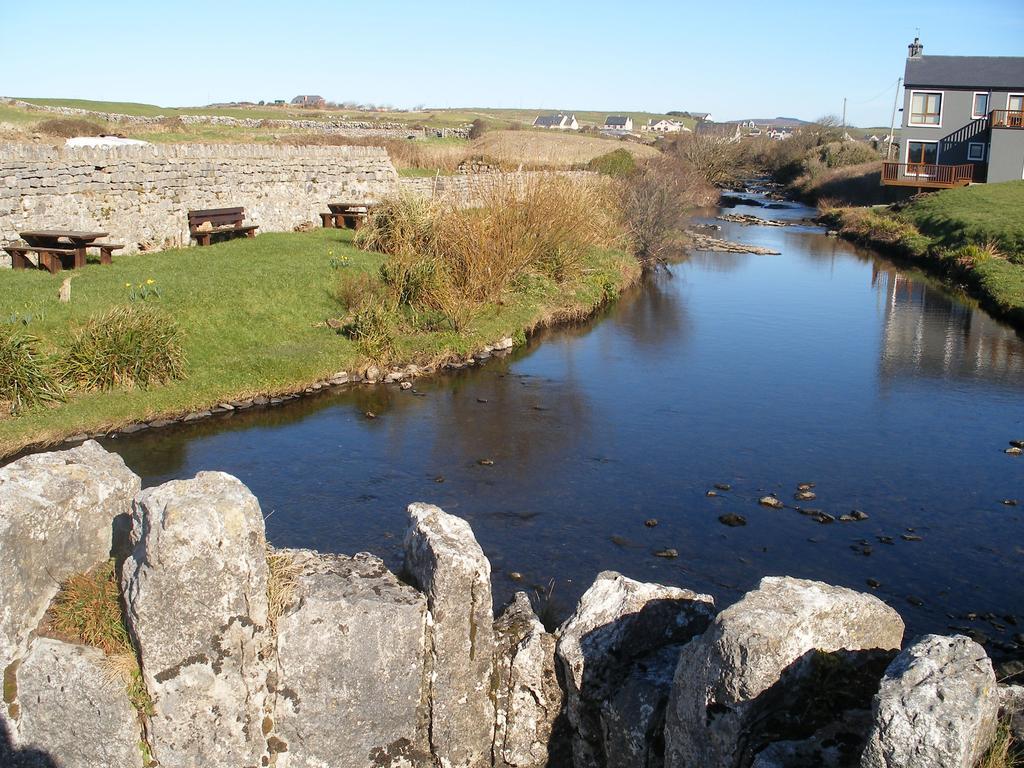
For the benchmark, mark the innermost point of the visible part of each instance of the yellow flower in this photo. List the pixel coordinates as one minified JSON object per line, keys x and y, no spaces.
{"x":127,"y":285}
{"x":150,"y":281}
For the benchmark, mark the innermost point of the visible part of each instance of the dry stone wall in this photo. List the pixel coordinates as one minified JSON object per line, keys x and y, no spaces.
{"x":141,"y":195}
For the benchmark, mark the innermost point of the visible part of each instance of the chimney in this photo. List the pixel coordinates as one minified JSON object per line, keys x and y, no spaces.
{"x":915,"y":49}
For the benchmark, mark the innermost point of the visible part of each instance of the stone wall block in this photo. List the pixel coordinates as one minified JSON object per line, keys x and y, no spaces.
{"x":57,"y":513}
{"x":763,"y":656}
{"x":73,"y":709}
{"x":612,"y":641}
{"x":443,"y":558}
{"x":196,"y":602}
{"x":937,"y":706}
{"x":529,"y":698}
{"x":350,"y":684}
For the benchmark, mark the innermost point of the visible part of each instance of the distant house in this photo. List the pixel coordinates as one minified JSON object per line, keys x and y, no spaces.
{"x":701,"y":116}
{"x":963,"y":121}
{"x":618,"y":123}
{"x":308,"y":101}
{"x":664,"y":126}
{"x":557,"y":122}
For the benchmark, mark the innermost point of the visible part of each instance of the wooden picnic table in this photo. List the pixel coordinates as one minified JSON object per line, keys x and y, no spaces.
{"x":344,"y":215}
{"x":51,"y":245}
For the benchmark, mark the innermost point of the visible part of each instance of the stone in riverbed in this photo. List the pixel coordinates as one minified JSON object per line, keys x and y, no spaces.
{"x":72,"y":710}
{"x":937,"y":706}
{"x":195,"y":592}
{"x":732,"y":520}
{"x":57,"y":511}
{"x":529,"y":698}
{"x":770,"y":501}
{"x":350,"y":682}
{"x":620,"y":626}
{"x":762,"y":650}
{"x":443,"y":559}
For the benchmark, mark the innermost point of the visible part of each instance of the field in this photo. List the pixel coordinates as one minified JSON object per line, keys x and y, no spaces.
{"x":438,"y":118}
{"x":251,"y":314}
{"x":977,"y":214}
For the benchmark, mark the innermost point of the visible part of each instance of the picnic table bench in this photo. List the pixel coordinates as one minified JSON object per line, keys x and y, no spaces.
{"x":219,"y":224}
{"x":346,"y":215}
{"x":56,"y":249}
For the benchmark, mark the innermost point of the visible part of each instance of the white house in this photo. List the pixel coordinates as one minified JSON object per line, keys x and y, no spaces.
{"x":558,"y":122}
{"x":664,"y":126}
{"x":618,"y":123}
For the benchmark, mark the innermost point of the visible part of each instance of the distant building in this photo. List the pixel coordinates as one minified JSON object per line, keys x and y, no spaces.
{"x":557,"y":122}
{"x":664,"y":126}
{"x":726,"y":132}
{"x":618,"y":123}
{"x":308,"y":101}
{"x":963,"y":121}
{"x":701,"y":116}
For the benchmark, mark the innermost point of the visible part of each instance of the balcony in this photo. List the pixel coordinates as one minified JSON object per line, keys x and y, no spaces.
{"x":927,"y":176}
{"x":1006,"y":118}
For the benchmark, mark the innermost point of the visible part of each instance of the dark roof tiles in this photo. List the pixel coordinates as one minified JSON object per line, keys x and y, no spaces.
{"x":1000,"y":72}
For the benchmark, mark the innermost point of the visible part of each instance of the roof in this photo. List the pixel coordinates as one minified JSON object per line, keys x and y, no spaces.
{"x":545,"y":120}
{"x":1001,"y":72}
{"x":305,"y":99}
{"x":616,"y":120}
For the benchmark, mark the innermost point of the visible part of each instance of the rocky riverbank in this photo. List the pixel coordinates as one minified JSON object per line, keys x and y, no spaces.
{"x":254,"y":656}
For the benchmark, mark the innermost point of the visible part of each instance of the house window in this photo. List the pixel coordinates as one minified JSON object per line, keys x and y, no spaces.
{"x":980,"y":108}
{"x":976,"y":151}
{"x":925,"y":108}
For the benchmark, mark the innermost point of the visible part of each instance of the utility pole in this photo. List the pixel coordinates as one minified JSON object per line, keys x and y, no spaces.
{"x":844,"y":116}
{"x":892,"y":122}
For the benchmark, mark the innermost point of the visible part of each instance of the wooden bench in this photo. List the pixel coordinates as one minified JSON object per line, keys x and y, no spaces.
{"x":219,"y":224}
{"x":50,"y":259}
{"x":106,"y":251}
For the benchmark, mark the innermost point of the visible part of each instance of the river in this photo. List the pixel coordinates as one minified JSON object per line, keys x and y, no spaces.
{"x":824,"y":365}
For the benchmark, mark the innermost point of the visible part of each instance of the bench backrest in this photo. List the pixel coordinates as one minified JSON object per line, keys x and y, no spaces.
{"x":218,"y":217}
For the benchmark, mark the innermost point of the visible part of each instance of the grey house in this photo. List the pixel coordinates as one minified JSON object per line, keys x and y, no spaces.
{"x":963,"y":121}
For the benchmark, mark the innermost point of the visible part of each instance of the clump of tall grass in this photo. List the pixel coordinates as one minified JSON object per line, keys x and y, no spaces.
{"x":520,"y":226}
{"x":127,"y":347}
{"x":27,"y":378}
{"x":1004,"y":752}
{"x":69,"y":127}
{"x":87,"y":610}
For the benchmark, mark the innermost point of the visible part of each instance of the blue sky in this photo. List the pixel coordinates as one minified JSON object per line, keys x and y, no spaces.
{"x":733,"y":59}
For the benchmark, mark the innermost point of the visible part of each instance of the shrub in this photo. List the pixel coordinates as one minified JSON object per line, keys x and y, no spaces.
{"x":477,"y":128}
{"x":126,"y":347}
{"x":618,"y":163}
{"x":839,"y":154}
{"x":67,"y":128}
{"x":27,"y":378}
{"x":655,"y":202}
{"x":372,"y":328}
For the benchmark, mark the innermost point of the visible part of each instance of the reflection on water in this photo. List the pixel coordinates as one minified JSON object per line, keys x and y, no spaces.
{"x":822,"y":364}
{"x":928,"y":333}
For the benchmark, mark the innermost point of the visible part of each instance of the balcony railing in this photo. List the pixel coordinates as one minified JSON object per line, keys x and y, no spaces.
{"x":927,"y":175}
{"x":1006,"y":118}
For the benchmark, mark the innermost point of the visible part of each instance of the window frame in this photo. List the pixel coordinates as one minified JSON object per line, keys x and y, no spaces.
{"x":988,"y":104}
{"x":984,"y":151}
{"x":942,"y":104}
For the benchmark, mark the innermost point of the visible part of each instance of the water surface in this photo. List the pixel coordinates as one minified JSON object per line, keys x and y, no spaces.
{"x":824,"y":364}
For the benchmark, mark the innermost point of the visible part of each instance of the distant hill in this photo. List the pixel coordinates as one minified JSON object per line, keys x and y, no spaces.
{"x":773,"y":122}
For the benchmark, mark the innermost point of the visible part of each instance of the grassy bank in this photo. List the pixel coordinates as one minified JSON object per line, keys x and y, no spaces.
{"x":250,"y":316}
{"x":972,"y":236}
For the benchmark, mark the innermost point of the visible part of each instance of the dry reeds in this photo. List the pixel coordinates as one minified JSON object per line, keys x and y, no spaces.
{"x":282,"y":581}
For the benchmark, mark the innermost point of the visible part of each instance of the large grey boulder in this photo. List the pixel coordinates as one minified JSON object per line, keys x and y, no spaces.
{"x":837,"y":745}
{"x":74,"y":709}
{"x":195,"y":590}
{"x":529,"y":698}
{"x":619,"y":624}
{"x":786,"y":634}
{"x":349,"y":688}
{"x":937,"y":706}
{"x":443,"y":558}
{"x":56,"y":515}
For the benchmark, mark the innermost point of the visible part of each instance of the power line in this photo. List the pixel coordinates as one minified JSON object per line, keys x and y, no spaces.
{"x":883,"y":92}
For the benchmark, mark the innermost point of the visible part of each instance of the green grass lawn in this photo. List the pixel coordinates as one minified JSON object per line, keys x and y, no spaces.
{"x":247,"y":312}
{"x":975,"y":214}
